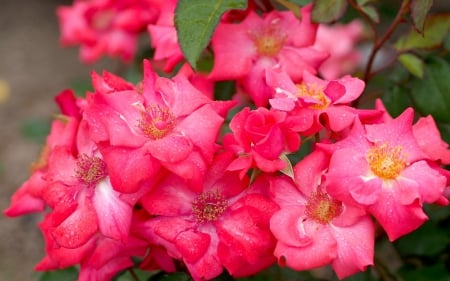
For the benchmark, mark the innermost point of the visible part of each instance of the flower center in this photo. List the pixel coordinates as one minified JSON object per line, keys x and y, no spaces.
{"x":157,"y":121}
{"x":90,"y":170}
{"x":209,"y":206}
{"x":385,"y":161}
{"x":269,"y":41}
{"x":322,"y":208}
{"x":320,"y":100}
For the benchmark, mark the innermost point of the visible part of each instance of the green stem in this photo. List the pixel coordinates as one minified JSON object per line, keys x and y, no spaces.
{"x":133,"y":274}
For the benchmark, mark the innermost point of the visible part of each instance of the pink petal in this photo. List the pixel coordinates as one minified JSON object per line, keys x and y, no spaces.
{"x":202,"y":128}
{"x":429,"y":183}
{"x":192,"y":245}
{"x":172,"y":148}
{"x":396,"y":219}
{"x":114,"y":215}
{"x":429,"y":139}
{"x":129,"y":168}
{"x":397,"y":132}
{"x":171,"y":197}
{"x":321,"y":251}
{"x":334,"y":90}
{"x":308,"y":172}
{"x":78,"y":228}
{"x":355,"y":249}
{"x":286,"y":226}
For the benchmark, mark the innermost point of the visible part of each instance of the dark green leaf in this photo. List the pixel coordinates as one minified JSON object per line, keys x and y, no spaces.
{"x":195,"y":21}
{"x":413,"y":64}
{"x":436,"y":272}
{"x":176,"y":276}
{"x":444,"y":128}
{"x":431,"y":95}
{"x":327,"y":11}
{"x":126,"y":275}
{"x":428,"y":240}
{"x":419,"y":11}
{"x":369,"y":10}
{"x":396,"y":100}
{"x":69,"y":274}
{"x":436,"y":28}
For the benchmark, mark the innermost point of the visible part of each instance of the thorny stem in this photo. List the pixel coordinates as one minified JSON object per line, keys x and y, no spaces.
{"x":379,"y":41}
{"x":378,"y":44}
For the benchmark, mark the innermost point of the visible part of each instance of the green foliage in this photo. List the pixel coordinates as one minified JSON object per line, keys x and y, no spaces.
{"x":413,"y":64}
{"x":195,"y":21}
{"x":436,"y":29}
{"x":327,"y":11}
{"x":437,"y":272}
{"x":68,"y":274}
{"x":369,"y":10}
{"x":419,"y":11}
{"x":431,"y":95}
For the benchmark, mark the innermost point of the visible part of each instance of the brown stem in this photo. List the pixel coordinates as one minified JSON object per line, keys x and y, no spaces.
{"x":366,"y":18}
{"x":133,"y":274}
{"x":378,"y":42}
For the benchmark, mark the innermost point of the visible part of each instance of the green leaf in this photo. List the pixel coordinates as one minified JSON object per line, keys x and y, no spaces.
{"x":288,"y":170}
{"x":413,"y":64}
{"x":419,"y":11}
{"x":396,"y":100}
{"x":293,"y":7}
{"x":369,"y":10}
{"x":327,"y":11}
{"x":195,"y":21}
{"x":431,"y":94}
{"x":429,"y":240}
{"x":437,"y":272}
{"x":436,"y":28}
{"x":68,"y":274}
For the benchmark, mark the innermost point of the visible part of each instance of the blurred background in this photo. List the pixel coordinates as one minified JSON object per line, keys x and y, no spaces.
{"x":33,"y":69}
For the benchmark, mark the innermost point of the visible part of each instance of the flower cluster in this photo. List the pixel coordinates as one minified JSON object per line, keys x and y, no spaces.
{"x":162,"y":174}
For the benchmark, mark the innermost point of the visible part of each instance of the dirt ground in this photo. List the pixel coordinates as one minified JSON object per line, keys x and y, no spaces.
{"x":35,"y":68}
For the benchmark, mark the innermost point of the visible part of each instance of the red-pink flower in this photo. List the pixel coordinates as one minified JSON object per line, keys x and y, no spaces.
{"x":82,"y":198}
{"x":259,"y":139}
{"x":224,"y":224}
{"x":246,"y":51}
{"x":382,"y":168}
{"x":105,"y":27}
{"x":339,"y":41}
{"x":312,"y":228}
{"x":161,"y":122}
{"x":316,"y":102}
{"x":28,"y":198}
